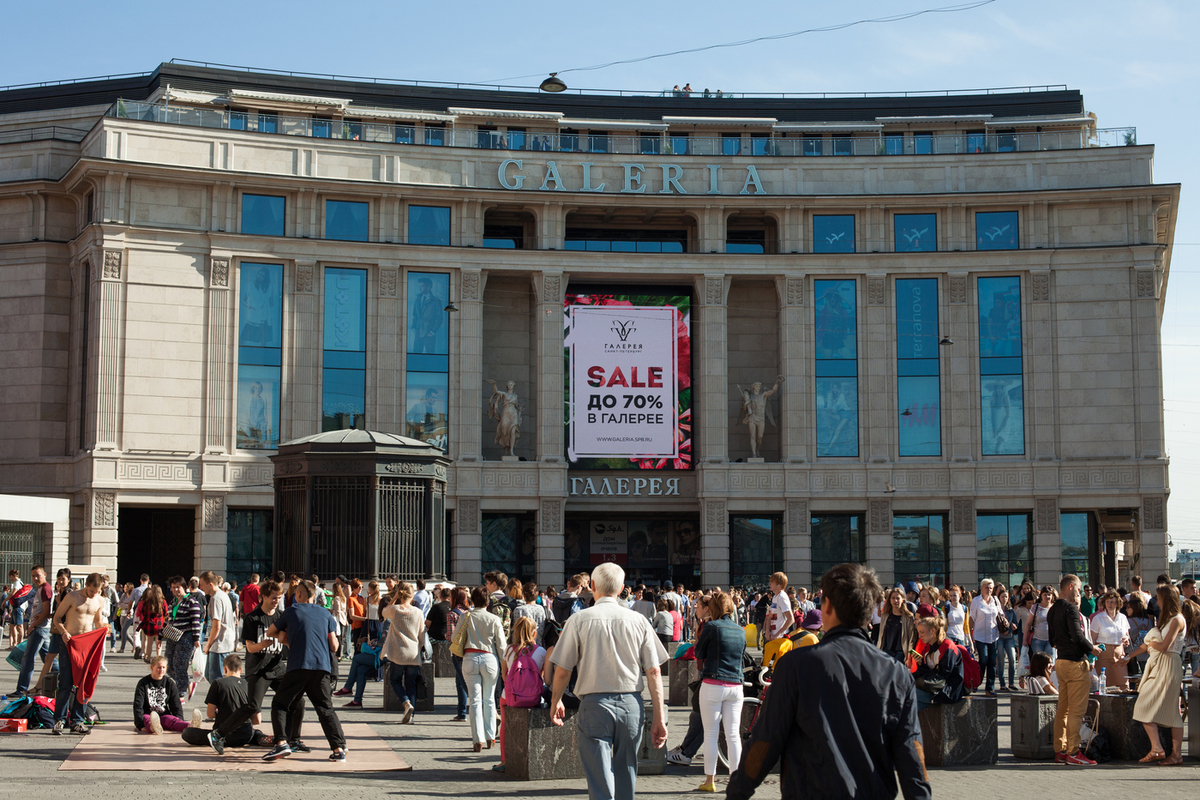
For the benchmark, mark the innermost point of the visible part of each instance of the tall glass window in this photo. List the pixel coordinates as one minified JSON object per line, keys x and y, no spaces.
{"x":435,"y":135}
{"x":731,"y":144}
{"x":837,"y":368}
{"x":268,"y":123}
{"x":248,"y":542}
{"x":428,"y":359}
{"x":915,"y":233}
{"x":344,"y":377}
{"x":1076,"y":555}
{"x":833,"y":233}
{"x":836,"y":539}
{"x":923,"y":143}
{"x":1004,"y":547}
{"x":756,"y":549}
{"x":260,"y":348}
{"x":996,"y":230}
{"x":918,"y":382}
{"x":920,"y":548}
{"x":678,"y":144}
{"x":262,"y":214}
{"x":404,"y":134}
{"x":893,"y":144}
{"x":428,"y":225}
{"x":1001,"y":387}
{"x":346,"y":220}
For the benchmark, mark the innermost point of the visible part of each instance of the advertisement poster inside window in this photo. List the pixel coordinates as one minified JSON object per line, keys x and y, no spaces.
{"x":628,"y":380}
{"x":610,"y":541}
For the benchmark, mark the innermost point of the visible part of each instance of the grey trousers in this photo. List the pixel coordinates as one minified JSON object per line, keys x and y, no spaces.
{"x":610,"y":733}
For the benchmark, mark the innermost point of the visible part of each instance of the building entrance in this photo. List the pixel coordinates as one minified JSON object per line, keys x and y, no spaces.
{"x":651,"y":548}
{"x":157,"y":541}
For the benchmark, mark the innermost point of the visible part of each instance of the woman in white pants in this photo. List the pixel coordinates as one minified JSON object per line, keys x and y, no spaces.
{"x":483,"y":648}
{"x":720,"y":648}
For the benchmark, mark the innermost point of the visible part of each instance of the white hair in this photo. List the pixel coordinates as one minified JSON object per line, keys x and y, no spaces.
{"x":607,"y":579}
{"x":986,"y":582}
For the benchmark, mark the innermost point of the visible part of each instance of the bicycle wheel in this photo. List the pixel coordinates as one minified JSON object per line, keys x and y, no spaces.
{"x":750,"y":707}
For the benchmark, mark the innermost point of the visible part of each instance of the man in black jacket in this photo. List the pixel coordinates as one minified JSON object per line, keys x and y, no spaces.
{"x":841,"y":714}
{"x":1065,"y":626}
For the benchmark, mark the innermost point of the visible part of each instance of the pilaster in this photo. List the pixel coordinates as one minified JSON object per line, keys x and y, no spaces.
{"x":1147,"y":359}
{"x":877,"y":363}
{"x":1047,"y":541}
{"x":962,"y":400}
{"x":549,"y":289}
{"x":110,"y":350}
{"x":211,"y":536}
{"x":550,"y":550}
{"x":793,"y":350}
{"x":468,"y":401}
{"x":306,"y":332}
{"x":712,"y":423}
{"x":715,"y":563}
{"x":797,"y":544}
{"x":388,"y":411}
{"x":1041,"y":396}
{"x":217,"y":430}
{"x":964,"y":566}
{"x":1153,"y":538}
{"x":100,"y":535}
{"x":880,"y":549}
{"x":466,"y":550}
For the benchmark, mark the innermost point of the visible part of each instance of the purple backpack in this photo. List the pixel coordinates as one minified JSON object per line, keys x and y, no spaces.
{"x":524,"y":682}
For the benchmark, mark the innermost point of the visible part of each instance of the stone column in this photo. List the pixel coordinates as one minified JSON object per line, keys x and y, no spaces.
{"x":218,"y":431}
{"x":714,"y":562}
{"x":1040,"y":368}
{"x":1152,"y":536}
{"x":1047,"y":542}
{"x":877,"y":364}
{"x":388,"y":411}
{"x":468,"y":421}
{"x":710,"y":372}
{"x":961,"y":371}
{"x":110,"y":335}
{"x":550,"y":550}
{"x":549,"y":288}
{"x":793,"y":352}
{"x":211,"y":537}
{"x":797,"y":544}
{"x":100,"y":535}
{"x":964,"y":565}
{"x":1147,"y":360}
{"x":880,"y":549}
{"x":466,"y":546}
{"x":306,"y":335}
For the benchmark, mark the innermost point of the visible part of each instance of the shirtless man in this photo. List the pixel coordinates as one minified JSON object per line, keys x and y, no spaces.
{"x":79,"y":612}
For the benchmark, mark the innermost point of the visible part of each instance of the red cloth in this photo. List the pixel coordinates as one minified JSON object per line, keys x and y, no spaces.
{"x":86,"y":651}
{"x":250,"y":597}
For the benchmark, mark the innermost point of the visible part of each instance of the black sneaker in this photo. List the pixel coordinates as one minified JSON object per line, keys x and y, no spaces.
{"x":79,"y":729}
{"x":299,"y":746}
{"x":216,"y":742}
{"x":338,"y":755}
{"x":280,"y":750}
{"x":137,"y":652}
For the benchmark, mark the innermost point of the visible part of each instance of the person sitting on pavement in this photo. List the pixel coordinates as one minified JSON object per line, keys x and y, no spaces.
{"x":938,"y":667}
{"x":156,"y":705}
{"x":227,"y":696}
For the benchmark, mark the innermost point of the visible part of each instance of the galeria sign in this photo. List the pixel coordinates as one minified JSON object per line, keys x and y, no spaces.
{"x":634,"y":178}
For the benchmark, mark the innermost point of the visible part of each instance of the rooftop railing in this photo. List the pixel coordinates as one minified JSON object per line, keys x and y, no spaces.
{"x":650,"y":143}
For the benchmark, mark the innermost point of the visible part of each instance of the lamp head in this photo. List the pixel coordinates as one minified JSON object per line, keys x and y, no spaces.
{"x":553,"y":84}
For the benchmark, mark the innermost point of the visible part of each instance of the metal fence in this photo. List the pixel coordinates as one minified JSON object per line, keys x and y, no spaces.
{"x":22,"y":547}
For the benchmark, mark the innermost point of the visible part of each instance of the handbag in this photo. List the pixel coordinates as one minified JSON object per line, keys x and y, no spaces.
{"x":458,"y":647}
{"x":931,"y":685}
{"x":1002,"y":624}
{"x":426,"y":649}
{"x":169,"y":631}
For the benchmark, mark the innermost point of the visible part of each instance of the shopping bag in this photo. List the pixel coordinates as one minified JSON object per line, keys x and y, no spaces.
{"x":16,"y":655}
{"x":1023,"y":665}
{"x":198,"y":662}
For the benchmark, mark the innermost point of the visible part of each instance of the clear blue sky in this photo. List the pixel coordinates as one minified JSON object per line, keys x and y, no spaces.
{"x":1135,"y":62}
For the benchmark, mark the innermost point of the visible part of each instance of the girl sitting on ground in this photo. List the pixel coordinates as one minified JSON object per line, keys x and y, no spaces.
{"x":156,"y":705}
{"x":1039,"y":674}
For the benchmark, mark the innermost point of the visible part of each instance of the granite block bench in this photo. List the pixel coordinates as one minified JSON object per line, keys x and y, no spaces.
{"x":961,"y":734}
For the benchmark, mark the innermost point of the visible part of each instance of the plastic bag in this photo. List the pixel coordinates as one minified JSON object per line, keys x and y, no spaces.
{"x":1023,"y":665}
{"x":199,"y":660}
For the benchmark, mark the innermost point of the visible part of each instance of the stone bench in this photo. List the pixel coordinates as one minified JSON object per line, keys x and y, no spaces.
{"x":961,"y":734}
{"x":1127,"y":739}
{"x":680,"y":674}
{"x":1032,"y":725}
{"x":392,"y":703}
{"x":535,"y":749}
{"x":1193,"y":720}
{"x":443,"y":666}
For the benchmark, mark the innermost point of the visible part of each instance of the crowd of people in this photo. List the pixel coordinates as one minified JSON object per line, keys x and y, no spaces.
{"x":597,"y":644}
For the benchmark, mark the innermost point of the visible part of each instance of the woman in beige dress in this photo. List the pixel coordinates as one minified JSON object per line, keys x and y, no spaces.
{"x":1158,"y":692}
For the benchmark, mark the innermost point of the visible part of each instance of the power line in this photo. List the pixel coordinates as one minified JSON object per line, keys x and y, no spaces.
{"x":776,"y":37}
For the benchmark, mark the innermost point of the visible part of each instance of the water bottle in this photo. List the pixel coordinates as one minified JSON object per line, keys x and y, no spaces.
{"x":1103,"y":682}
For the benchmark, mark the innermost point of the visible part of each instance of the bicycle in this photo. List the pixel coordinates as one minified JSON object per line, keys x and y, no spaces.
{"x":751,"y":706}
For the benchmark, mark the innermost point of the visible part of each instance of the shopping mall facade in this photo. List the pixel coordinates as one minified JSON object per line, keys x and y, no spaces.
{"x":961,"y":293}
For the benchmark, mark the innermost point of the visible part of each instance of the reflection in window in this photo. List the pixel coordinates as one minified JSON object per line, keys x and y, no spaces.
{"x":516,"y":139}
{"x":626,"y":240}
{"x":435,"y":135}
{"x":746,"y":241}
{"x":836,"y":539}
{"x":568,"y":140}
{"x":1076,"y":556}
{"x":322,"y":128}
{"x":648,"y":143}
{"x":833,"y":233}
{"x":1000,"y":370}
{"x":893,"y":144}
{"x":918,"y":384}
{"x":920,"y":549}
{"x":756,"y":549}
{"x":915,"y":233}
{"x":1004,"y":547}
{"x":923,"y":143}
{"x":260,"y":322}
{"x":598,"y":142}
{"x":268,"y":123}
{"x":248,"y":543}
{"x":837,"y":368}
{"x":343,"y":402}
{"x":678,"y":143}
{"x":346,"y":220}
{"x":731,"y":144}
{"x":499,"y":543}
{"x":405,"y":134}
{"x":976,"y":141}
{"x":842,"y":145}
{"x":262,"y":214}
{"x":428,"y":225}
{"x":504,"y":237}
{"x":760,"y":144}
{"x":428,"y":361}
{"x":996,"y":230}
{"x":237,"y":120}
{"x":813,"y":144}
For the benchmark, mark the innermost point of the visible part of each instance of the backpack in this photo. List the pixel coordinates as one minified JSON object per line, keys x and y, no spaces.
{"x":19,"y":595}
{"x":523,"y":686}
{"x":499,"y":607}
{"x":972,"y":676}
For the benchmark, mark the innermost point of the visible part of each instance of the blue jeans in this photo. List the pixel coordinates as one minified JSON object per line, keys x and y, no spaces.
{"x":460,"y":685}
{"x":212,"y":666}
{"x":1008,"y":656}
{"x":987,"y":663}
{"x":67,"y":701}
{"x":1041,"y":646}
{"x":610,"y":733}
{"x":924,"y":700}
{"x":361,"y":668}
{"x":403,"y":678}
{"x":36,"y":644}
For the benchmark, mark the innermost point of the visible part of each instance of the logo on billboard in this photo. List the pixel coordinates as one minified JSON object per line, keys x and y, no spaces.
{"x":623,"y":329}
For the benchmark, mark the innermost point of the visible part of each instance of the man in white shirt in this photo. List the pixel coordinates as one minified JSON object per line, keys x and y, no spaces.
{"x":780,"y":617}
{"x":222,"y":627}
{"x":421,"y":599}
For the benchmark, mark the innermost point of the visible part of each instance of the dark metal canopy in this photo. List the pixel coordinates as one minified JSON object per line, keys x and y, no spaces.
{"x":360,"y":504}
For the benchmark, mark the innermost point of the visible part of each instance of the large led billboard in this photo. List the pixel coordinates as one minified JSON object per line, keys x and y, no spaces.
{"x":628,"y":378}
